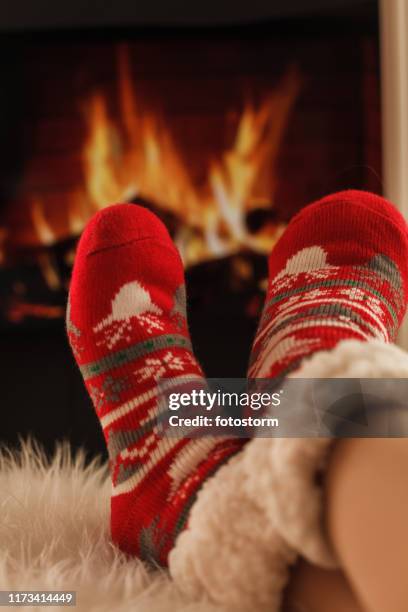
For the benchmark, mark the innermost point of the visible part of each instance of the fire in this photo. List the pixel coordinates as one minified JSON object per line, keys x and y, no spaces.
{"x":43,"y":229}
{"x":140,"y":158}
{"x":137,"y":156}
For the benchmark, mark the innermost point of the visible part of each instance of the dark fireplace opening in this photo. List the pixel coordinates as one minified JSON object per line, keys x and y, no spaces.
{"x":223,"y":132}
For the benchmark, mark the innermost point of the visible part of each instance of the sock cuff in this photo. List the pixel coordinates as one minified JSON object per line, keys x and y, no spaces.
{"x":264,"y":507}
{"x":229,"y":553}
{"x":294,"y":466}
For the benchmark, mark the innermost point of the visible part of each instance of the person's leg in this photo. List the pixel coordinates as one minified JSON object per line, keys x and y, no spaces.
{"x":338,"y":281}
{"x":339,"y":273}
{"x":366,"y":513}
{"x":249,"y":521}
{"x":313,"y":589}
{"x":127,"y":326}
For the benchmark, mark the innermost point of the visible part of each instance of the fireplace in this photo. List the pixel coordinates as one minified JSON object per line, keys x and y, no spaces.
{"x":223,"y":132}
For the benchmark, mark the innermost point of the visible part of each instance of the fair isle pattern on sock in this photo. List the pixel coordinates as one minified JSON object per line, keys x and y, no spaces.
{"x":338,"y":272}
{"x":126,"y":322}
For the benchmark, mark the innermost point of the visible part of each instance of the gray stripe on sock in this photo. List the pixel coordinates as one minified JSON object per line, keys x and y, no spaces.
{"x":119,"y":358}
{"x":326,"y":310}
{"x":329,"y":283}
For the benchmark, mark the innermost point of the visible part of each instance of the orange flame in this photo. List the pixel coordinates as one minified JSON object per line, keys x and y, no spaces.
{"x":44,"y":230}
{"x":137,"y":156}
{"x":141,"y":159}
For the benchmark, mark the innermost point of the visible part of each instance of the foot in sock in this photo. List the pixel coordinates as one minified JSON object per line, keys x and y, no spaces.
{"x":126,"y":322}
{"x":339,"y":272}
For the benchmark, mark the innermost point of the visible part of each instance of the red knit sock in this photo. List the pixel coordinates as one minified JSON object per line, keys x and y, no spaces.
{"x":339,"y":272}
{"x":127,"y":326}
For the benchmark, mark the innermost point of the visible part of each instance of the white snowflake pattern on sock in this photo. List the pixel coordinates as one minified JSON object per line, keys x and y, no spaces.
{"x":150,"y":322}
{"x":156,"y":368}
{"x":116,"y":331}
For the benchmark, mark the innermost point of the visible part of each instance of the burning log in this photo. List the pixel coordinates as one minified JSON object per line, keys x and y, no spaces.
{"x":35,"y":280}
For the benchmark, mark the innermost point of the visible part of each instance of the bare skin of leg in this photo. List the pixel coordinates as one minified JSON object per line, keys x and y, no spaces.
{"x":313,"y":589}
{"x":366,"y":512}
{"x":366,"y":516}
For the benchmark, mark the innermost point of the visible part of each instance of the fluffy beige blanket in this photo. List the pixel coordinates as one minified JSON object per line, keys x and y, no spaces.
{"x":54,"y":534}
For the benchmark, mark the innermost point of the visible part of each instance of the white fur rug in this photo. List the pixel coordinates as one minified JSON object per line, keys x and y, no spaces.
{"x":54,"y":535}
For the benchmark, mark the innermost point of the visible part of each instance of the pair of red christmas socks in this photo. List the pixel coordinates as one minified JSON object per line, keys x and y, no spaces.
{"x":339,"y":272}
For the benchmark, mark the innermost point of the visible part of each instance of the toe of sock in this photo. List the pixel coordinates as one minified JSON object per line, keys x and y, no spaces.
{"x":120,"y":224}
{"x":371,"y":202}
